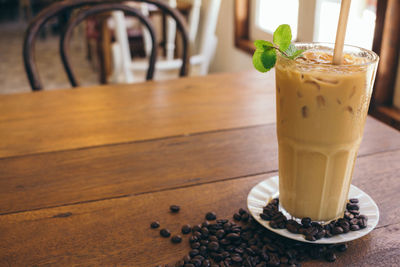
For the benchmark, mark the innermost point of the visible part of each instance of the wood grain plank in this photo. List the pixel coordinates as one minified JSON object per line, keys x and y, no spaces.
{"x":67,"y":119}
{"x":116,"y":231}
{"x":58,"y":178}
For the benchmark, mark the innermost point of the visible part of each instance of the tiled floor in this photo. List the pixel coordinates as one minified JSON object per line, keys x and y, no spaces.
{"x":12,"y":73}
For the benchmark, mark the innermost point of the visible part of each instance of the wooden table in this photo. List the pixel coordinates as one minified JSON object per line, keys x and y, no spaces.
{"x":83,"y":172}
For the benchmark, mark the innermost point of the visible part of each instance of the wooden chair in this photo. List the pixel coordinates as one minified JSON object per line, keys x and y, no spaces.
{"x":126,"y":70}
{"x":88,"y":8}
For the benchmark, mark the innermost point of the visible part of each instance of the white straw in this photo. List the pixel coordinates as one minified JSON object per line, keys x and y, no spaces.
{"x":341,"y":32}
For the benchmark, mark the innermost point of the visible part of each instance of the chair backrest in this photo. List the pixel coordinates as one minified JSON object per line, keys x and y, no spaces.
{"x":93,"y":7}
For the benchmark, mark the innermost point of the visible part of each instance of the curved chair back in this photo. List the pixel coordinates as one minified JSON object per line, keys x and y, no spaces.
{"x":94,"y":7}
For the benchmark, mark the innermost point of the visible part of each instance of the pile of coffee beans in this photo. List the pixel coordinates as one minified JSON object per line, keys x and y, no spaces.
{"x":351,"y":221}
{"x":244,"y":242}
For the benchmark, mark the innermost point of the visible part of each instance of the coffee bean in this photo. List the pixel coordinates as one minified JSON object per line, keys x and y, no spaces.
{"x":354,"y":227}
{"x":237,"y":259}
{"x":204,"y":232}
{"x":353,"y":200}
{"x":337,"y":230}
{"x":194,"y":252}
{"x":306,"y":222}
{"x":352,"y":206}
{"x":176,"y":239}
{"x":310,"y":238}
{"x":174,"y":208}
{"x":186,"y":229}
{"x":180,"y":263}
{"x":165,"y":232}
{"x":211,"y":216}
{"x":232,"y":237}
{"x":195,"y":245}
{"x":342,"y":247}
{"x":213,"y":246}
{"x":362,"y":223}
{"x":263,"y":216}
{"x":355,"y":212}
{"x":196,"y":262}
{"x":330,"y":256}
{"x":245,"y":217}
{"x":206,"y":263}
{"x":155,"y":224}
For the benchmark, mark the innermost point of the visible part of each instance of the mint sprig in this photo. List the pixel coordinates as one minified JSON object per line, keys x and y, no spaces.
{"x":264,"y":58}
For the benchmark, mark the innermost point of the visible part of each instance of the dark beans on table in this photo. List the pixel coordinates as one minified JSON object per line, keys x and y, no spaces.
{"x":155,"y":225}
{"x":174,"y":208}
{"x":176,"y":239}
{"x":186,"y":229}
{"x":211,"y":216}
{"x":244,"y":242}
{"x":312,"y":231}
{"x":165,"y":232}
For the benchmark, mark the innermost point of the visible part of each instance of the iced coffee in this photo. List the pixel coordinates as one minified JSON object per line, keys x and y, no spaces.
{"x":321,"y":111}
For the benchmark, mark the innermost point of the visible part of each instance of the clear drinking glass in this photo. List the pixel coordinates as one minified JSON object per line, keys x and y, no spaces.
{"x":321,"y":112}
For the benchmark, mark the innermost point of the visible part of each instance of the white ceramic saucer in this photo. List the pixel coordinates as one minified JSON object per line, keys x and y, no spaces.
{"x":268,"y":189}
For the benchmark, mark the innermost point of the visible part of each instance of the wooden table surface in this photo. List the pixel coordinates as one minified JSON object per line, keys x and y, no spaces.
{"x":83,"y":172}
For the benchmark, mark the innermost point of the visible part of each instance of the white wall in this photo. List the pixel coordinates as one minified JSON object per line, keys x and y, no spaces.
{"x":227,"y":57}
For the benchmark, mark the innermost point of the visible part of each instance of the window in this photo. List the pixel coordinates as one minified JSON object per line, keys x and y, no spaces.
{"x":313,"y":20}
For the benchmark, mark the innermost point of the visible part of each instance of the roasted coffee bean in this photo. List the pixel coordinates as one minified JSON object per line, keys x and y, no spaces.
{"x":354,"y":227}
{"x":196,"y":262}
{"x":353,"y":200}
{"x":320,"y":234}
{"x":245,"y":217}
{"x":232,"y":237}
{"x":237,"y":217}
{"x":330,"y":256}
{"x":292,"y":228}
{"x":355,"y":212}
{"x":273,"y":224}
{"x":213,"y":246}
{"x":310,"y":238}
{"x":186,"y":259}
{"x":193,"y":253}
{"x":165,"y":232}
{"x":196,"y":228}
{"x":180,"y":263}
{"x":211,"y":216}
{"x":242,"y":211}
{"x":352,"y":206}
{"x":174,"y":208}
{"x":306,"y":222}
{"x":348,"y":215}
{"x":237,"y":259}
{"x":220,"y":234}
{"x":176,"y":239}
{"x":155,"y":224}
{"x":206,"y":263}
{"x":204,"y":232}
{"x":195,"y":245}
{"x":342,"y":247}
{"x":337,"y":230}
{"x":186,"y":229}
{"x":265,"y":217}
{"x":273,"y":260}
{"x":362,"y":223}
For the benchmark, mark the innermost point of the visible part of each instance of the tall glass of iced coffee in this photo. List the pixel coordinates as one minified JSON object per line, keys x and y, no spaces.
{"x":321,"y":111}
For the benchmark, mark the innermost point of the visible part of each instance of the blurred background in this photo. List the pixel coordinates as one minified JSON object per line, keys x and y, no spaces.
{"x":214,"y":26}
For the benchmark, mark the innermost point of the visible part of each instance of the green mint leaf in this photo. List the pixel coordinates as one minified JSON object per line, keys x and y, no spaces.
{"x":293,"y":52}
{"x":261,"y":44}
{"x":297,"y":53}
{"x":283,"y":36}
{"x":264,"y":59}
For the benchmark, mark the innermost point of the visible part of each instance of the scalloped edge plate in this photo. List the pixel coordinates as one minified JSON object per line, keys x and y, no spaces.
{"x":261,"y":193}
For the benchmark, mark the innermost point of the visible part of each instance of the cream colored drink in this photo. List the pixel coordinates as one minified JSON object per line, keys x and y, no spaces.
{"x":321,"y":111}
